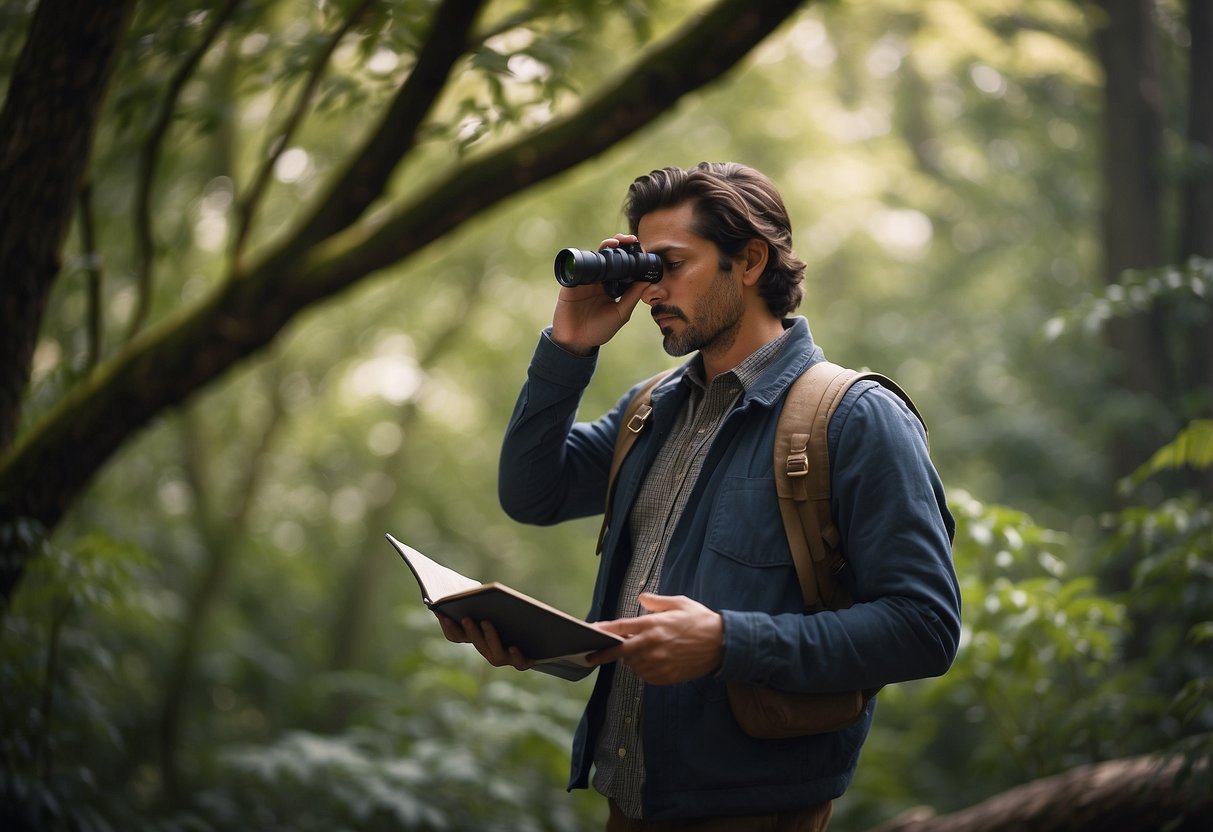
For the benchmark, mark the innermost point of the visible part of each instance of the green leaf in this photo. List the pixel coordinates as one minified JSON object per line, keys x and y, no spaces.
{"x":1192,"y":448}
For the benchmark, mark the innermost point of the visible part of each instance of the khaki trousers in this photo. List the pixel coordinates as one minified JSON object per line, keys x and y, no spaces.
{"x":814,"y":819}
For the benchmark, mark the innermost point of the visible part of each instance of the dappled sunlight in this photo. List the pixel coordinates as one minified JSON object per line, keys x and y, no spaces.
{"x":293,"y":165}
{"x":391,"y":373}
{"x":395,"y":378}
{"x":902,"y":232}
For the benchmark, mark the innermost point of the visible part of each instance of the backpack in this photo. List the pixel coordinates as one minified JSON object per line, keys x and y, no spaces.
{"x":801,"y":467}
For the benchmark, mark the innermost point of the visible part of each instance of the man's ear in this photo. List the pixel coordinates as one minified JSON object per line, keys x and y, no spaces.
{"x":754,"y":260}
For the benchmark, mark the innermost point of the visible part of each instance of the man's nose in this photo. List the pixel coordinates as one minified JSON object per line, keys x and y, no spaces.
{"x":654,"y":293}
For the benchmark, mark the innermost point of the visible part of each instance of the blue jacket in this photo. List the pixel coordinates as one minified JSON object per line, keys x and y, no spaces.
{"x":730,"y":554}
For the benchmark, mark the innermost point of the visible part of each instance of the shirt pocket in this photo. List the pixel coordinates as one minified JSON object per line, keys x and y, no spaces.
{"x":746,"y":527}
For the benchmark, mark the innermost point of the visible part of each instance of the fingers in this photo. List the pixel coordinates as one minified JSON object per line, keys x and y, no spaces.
{"x":678,"y":640}
{"x":618,"y":240}
{"x":661,"y":603}
{"x":453,"y":631}
{"x":485,"y":639}
{"x":586,"y":317}
{"x":630,"y":298}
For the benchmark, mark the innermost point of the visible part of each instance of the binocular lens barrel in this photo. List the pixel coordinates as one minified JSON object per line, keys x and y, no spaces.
{"x":612,"y":267}
{"x":575,"y":267}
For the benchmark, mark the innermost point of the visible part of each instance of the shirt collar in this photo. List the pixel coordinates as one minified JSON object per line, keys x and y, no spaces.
{"x":749,"y":370}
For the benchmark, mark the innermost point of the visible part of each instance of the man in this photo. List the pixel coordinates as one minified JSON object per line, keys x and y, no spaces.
{"x":698,"y":577}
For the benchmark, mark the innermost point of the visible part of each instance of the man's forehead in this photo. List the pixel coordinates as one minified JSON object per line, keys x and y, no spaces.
{"x":669,"y":229}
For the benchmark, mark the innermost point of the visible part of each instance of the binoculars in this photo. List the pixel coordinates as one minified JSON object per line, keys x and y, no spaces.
{"x":614,"y":268}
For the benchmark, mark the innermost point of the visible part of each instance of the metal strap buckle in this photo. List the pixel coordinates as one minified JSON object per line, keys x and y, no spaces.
{"x":798,"y":465}
{"x":636,"y":423}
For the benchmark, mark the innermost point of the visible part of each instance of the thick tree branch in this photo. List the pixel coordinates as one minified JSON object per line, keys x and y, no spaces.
{"x":58,"y":457}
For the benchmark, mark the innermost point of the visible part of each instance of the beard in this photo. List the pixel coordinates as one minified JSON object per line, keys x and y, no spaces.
{"x":714,"y":324}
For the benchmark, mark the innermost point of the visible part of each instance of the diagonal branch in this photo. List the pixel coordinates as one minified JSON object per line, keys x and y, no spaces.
{"x":94,"y":321}
{"x":370,"y":169}
{"x":249,"y":204}
{"x":149,"y":154}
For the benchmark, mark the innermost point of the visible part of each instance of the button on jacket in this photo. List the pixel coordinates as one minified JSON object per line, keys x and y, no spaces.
{"x":729,"y":552}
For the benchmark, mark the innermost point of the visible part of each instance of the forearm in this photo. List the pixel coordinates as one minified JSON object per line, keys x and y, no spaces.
{"x":865,"y":646}
{"x":552,"y":468}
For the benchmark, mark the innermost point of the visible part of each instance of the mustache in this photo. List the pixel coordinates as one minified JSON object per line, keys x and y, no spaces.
{"x":667,"y":310}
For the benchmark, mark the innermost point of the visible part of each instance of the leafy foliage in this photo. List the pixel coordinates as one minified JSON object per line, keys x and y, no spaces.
{"x":443,"y":750}
{"x":1188,"y":288}
{"x":1048,"y":677}
{"x":62,"y":680}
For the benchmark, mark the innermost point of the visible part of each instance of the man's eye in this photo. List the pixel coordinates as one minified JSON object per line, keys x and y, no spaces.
{"x":673,"y":265}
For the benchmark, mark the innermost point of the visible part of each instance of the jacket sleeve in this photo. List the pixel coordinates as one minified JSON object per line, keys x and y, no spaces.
{"x":553,"y":468}
{"x":896,"y":532}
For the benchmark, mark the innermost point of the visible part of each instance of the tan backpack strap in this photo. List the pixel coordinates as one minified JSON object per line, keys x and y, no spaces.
{"x":635,"y":417}
{"x":802,"y":478}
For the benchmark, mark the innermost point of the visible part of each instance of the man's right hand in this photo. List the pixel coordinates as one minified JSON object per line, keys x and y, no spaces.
{"x":586,"y":317}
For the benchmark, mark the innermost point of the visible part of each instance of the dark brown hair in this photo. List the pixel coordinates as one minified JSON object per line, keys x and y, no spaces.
{"x":733,"y":205}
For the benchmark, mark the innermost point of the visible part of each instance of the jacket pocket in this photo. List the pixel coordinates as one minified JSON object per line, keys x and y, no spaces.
{"x":745,"y":526}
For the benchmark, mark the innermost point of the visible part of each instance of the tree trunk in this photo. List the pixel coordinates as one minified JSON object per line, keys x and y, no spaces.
{"x":46,"y":137}
{"x":1141,"y":794}
{"x":1197,"y":233}
{"x":1133,"y":219}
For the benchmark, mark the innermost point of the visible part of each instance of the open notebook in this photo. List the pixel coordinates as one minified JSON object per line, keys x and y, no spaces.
{"x":556,"y":640}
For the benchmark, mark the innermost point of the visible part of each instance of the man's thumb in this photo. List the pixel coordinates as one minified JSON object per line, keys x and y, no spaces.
{"x":660,"y":603}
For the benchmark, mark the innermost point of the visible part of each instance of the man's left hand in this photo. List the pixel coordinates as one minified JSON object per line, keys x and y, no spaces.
{"x":679,"y":640}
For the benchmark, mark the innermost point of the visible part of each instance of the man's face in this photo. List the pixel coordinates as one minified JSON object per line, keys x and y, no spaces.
{"x":696,"y":304}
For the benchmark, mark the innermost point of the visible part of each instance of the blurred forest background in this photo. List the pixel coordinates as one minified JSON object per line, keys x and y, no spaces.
{"x":272,"y":273}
